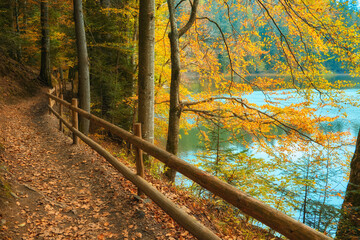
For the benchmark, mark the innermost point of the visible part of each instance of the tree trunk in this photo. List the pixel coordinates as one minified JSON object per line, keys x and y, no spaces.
{"x":175,"y":106}
{"x":146,"y":68}
{"x":61,"y":80}
{"x":25,"y":14}
{"x":306,"y":191}
{"x":17,"y":26}
{"x":45,"y":74}
{"x":71,"y":79}
{"x":175,"y":111}
{"x":83,"y":65}
{"x":349,"y":224}
{"x":133,"y":63}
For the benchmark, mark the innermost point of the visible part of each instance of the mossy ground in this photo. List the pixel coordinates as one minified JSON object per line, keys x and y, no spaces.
{"x":5,"y":188}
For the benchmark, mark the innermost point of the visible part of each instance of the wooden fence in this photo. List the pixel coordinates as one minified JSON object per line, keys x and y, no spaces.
{"x":269,"y":216}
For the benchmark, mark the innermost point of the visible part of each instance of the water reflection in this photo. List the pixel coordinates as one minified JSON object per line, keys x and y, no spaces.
{"x":347,"y":120}
{"x":190,"y":143}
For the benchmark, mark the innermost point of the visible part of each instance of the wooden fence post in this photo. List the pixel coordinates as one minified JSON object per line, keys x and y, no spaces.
{"x":75,"y":120}
{"x":139,"y":155}
{"x":61,"y":107}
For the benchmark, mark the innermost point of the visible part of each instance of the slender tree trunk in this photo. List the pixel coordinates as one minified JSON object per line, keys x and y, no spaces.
{"x":349,"y":224}
{"x":217,"y":161}
{"x":25,"y":15}
{"x":323,"y":206}
{"x":133,"y":63}
{"x":61,"y":79}
{"x":11,"y":23}
{"x":83,"y":65}
{"x":306,"y":191}
{"x":10,"y":14}
{"x":175,"y":106}
{"x":45,"y":74}
{"x":17,"y":25}
{"x":146,"y":68}
{"x":16,"y":15}
{"x":175,"y":111}
{"x":71,"y":79}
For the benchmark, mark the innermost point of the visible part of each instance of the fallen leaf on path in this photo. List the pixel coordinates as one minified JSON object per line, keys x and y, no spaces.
{"x":22,"y":224}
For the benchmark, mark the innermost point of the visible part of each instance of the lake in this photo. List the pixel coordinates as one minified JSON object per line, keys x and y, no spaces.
{"x":189,"y":144}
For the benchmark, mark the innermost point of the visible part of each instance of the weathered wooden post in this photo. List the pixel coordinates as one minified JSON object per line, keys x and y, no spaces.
{"x":75,"y":120}
{"x":139,"y":155}
{"x":61,"y":127}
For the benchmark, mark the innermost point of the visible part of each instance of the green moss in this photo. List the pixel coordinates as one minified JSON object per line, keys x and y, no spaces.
{"x":5,"y":188}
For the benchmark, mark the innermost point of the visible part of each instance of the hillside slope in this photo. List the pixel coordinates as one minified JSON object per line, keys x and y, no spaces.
{"x":51,"y":189}
{"x":16,"y":80}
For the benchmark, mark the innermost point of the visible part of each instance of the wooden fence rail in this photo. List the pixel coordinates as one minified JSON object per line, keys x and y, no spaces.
{"x":184,"y":219}
{"x":269,"y":216}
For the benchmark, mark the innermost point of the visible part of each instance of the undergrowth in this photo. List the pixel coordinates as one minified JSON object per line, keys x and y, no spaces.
{"x":227,"y":220}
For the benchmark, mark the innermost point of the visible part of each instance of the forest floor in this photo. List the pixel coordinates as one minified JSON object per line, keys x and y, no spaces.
{"x":52,"y":189}
{"x":60,"y":190}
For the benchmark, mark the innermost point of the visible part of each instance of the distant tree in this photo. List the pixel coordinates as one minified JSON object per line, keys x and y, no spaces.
{"x":6,"y":23}
{"x":349,"y":224}
{"x":45,"y":74}
{"x":83,"y":65}
{"x":111,"y":73}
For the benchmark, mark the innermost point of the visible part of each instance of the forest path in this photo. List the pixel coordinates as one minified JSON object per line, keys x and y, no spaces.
{"x":59,"y":190}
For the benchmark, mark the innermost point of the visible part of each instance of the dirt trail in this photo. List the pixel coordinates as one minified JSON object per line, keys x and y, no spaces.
{"x":62,"y":191}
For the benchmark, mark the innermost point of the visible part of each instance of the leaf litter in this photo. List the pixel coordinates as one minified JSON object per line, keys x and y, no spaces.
{"x":64,"y":191}
{"x":70,"y":192}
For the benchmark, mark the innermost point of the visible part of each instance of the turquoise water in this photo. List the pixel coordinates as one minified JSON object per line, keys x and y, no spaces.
{"x":189,"y":144}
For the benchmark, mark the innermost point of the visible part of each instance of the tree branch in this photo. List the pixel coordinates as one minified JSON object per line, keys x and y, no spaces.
{"x":286,"y":127}
{"x":192,"y":18}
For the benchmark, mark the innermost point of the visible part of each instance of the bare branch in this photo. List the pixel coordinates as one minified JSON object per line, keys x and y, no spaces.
{"x":282,"y":36}
{"x":275,"y":119}
{"x":192,"y":18}
{"x":226,"y":46}
{"x":187,"y":104}
{"x":177,"y":5}
{"x":286,"y":127}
